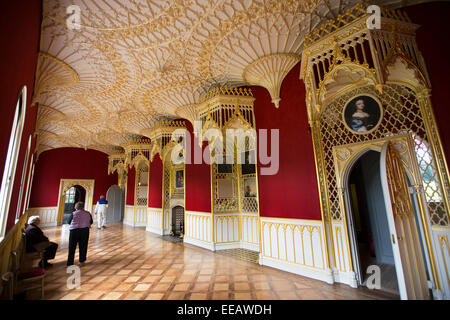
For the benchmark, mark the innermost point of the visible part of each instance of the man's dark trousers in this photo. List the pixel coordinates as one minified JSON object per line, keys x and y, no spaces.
{"x":50,"y":252}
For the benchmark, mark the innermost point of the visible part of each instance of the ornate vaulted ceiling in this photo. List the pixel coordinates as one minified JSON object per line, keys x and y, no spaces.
{"x":133,"y":63}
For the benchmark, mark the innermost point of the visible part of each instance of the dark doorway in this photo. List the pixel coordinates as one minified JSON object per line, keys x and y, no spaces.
{"x":73,"y":195}
{"x":370,"y":224}
{"x":177,"y":220}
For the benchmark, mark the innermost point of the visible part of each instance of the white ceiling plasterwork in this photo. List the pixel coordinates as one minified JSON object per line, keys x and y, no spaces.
{"x":133,"y":63}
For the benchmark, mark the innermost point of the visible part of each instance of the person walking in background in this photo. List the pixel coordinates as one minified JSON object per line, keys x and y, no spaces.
{"x":80,"y":221}
{"x":100,"y":211}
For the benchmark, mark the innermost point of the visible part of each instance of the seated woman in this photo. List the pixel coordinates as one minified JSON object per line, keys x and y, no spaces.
{"x":37,"y":241}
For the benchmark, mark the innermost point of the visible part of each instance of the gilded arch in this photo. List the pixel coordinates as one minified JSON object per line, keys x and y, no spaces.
{"x":65,"y":185}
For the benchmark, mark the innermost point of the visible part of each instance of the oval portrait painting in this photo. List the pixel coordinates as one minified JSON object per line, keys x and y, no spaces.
{"x":362,"y":114}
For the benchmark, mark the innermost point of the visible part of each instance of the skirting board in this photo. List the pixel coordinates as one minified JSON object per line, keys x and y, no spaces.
{"x":317,"y":274}
{"x":135,"y":225}
{"x":348,"y":278}
{"x":250,"y":246}
{"x":154,"y":230}
{"x":227,"y":245}
{"x":198,"y":243}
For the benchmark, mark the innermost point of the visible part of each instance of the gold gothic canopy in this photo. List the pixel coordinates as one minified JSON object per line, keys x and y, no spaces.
{"x":125,"y":65}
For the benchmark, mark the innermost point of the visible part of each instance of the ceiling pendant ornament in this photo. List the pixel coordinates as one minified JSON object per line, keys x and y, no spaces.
{"x":269,"y":72}
{"x":51,"y":74}
{"x":188,"y":112}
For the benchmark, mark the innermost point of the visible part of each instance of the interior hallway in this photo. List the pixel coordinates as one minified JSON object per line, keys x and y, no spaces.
{"x":128,"y":263}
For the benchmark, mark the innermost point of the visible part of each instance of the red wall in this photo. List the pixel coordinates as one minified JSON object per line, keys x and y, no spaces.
{"x":155,"y":183}
{"x":69,"y":163}
{"x":432,"y":40}
{"x":131,"y":181}
{"x":198,"y":180}
{"x":19,"y":31}
{"x":293,"y":191}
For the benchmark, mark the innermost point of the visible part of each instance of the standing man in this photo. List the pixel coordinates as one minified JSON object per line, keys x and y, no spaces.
{"x":80,"y":221}
{"x":100,"y":211}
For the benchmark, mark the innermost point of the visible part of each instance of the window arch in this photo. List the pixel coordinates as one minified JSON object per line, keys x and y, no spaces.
{"x":11,"y":159}
{"x":26,"y":203}
{"x":19,"y":212}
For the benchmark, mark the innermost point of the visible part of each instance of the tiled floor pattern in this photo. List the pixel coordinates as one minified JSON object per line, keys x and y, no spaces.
{"x":129,"y":264}
{"x":173,"y":239}
{"x":241,"y":254}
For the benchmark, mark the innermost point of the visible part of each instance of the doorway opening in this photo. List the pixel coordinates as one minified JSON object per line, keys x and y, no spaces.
{"x":177,"y":221}
{"x":372,"y":242}
{"x":73,"y":195}
{"x":116,"y":204}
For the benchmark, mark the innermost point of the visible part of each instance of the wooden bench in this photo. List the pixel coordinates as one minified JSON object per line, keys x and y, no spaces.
{"x":31,"y":257}
{"x":24,"y":277}
{"x":7,"y":287}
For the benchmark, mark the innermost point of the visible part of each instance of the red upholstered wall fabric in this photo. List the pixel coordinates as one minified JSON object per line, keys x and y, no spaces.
{"x":131,"y":186}
{"x":69,"y":163}
{"x":198,"y":185}
{"x":432,"y":40}
{"x":197,"y":178}
{"x":293,"y":191}
{"x":155,"y":183}
{"x":19,"y":31}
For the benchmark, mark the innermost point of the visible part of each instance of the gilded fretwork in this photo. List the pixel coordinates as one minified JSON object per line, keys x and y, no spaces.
{"x":162,"y":134}
{"x":117,"y":164}
{"x":226,"y":115}
{"x":173,"y":184}
{"x":345,"y":59}
{"x":141,"y":187}
{"x":133,"y":63}
{"x":137,"y":151}
{"x":52,"y":74}
{"x":225,"y":108}
{"x":345,"y":156}
{"x":402,"y":113}
{"x":65,"y":185}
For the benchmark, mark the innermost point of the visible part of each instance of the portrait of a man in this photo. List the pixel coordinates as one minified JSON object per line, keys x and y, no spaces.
{"x":362,"y":114}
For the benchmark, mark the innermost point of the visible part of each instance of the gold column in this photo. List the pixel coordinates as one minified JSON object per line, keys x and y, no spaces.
{"x":316,"y":135}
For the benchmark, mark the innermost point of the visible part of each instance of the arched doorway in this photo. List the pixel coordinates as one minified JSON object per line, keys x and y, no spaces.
{"x":73,"y":195}
{"x":369,"y":222}
{"x":177,"y":221}
{"x":116,"y":204}
{"x":65,"y":185}
{"x":383,"y":225}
